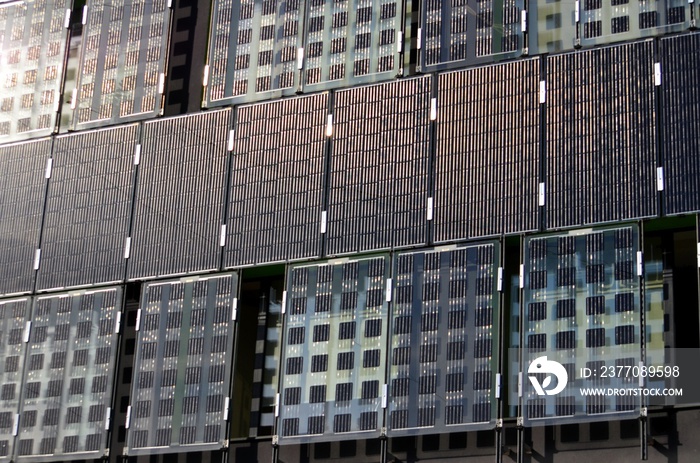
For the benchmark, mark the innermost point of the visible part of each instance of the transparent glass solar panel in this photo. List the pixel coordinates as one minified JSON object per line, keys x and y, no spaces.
{"x":122,"y":63}
{"x":253,"y":46}
{"x":605,"y":21}
{"x":470,"y":32}
{"x":32,"y":47}
{"x":179,"y":399}
{"x":444,"y":340}
{"x":334,"y":351}
{"x":14,"y":314}
{"x":350,"y":42}
{"x":581,"y":308}
{"x":69,"y":373}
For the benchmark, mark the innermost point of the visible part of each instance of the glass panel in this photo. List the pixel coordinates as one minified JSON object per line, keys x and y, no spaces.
{"x":581,"y":311}
{"x":32,"y":46}
{"x":14,"y":314}
{"x":470,"y":31}
{"x":334,"y":351}
{"x":444,"y":340}
{"x":179,"y":398}
{"x":69,"y":374}
{"x":122,"y":63}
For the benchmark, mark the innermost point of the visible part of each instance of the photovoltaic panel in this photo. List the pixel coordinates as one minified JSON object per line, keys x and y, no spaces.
{"x":605,"y":21}
{"x":680,"y":104}
{"x":122,"y":62}
{"x":581,"y":307}
{"x":488,"y":148}
{"x":444,"y":340}
{"x":253,"y":46}
{"x":277,"y":181}
{"x":334,"y":351}
{"x":379,"y":167}
{"x":601,"y":136}
{"x":464,"y":32}
{"x":88,"y":208}
{"x":179,"y":195}
{"x":182,"y":370}
{"x":22,"y":189}
{"x":351,"y":41}
{"x":68,"y":376}
{"x":33,"y":48}
{"x":14,"y":314}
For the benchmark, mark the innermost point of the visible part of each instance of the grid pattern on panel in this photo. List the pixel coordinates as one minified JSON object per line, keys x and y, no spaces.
{"x":334,"y":351}
{"x":470,"y":31}
{"x":13,"y":318}
{"x":22,"y":189}
{"x":581,"y":307}
{"x":183,"y":366}
{"x":253,"y":49}
{"x":122,"y":62}
{"x":69,"y":371}
{"x":487,"y":163}
{"x":601,"y":136}
{"x":681,"y":122}
{"x":444,"y":340}
{"x":604,"y":21}
{"x":88,"y":208}
{"x":552,"y":26}
{"x":351,"y":41}
{"x":179,"y":196}
{"x":277,"y":181}
{"x":32,"y":47}
{"x":379,"y":167}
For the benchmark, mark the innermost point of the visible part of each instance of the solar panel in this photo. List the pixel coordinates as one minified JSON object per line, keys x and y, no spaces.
{"x":69,"y":372}
{"x":334,"y":345}
{"x":14,"y":314}
{"x":253,"y":48}
{"x":379,"y":167}
{"x":466,"y":32}
{"x":182,"y":370}
{"x":121,"y":75}
{"x":33,"y":47}
{"x":581,"y":308}
{"x":88,"y":208}
{"x":277,"y":180}
{"x":352,"y":41}
{"x":444,"y":340}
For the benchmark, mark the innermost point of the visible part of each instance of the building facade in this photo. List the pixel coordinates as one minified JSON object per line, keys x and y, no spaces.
{"x":351,"y":230}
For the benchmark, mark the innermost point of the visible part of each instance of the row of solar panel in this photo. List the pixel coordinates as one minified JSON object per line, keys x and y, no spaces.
{"x":261,"y":49}
{"x":308,"y":178}
{"x":439,"y":308}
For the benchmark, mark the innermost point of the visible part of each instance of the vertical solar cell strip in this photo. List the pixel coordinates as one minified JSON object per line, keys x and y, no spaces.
{"x":581,"y":308}
{"x":334,"y":351}
{"x":122,"y":62}
{"x":69,"y":372}
{"x":33,"y":47}
{"x":379,"y":167}
{"x":182,"y":369}
{"x":601,"y":136}
{"x":606,"y":21}
{"x":14,"y":314}
{"x":467,"y":32}
{"x":444,"y":340}
{"x":487,"y":162}
{"x":277,"y":181}
{"x":351,"y":42}
{"x":681,"y":122}
{"x":179,"y":196}
{"x":88,"y":208}
{"x":253,"y":50}
{"x":22,"y":190}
